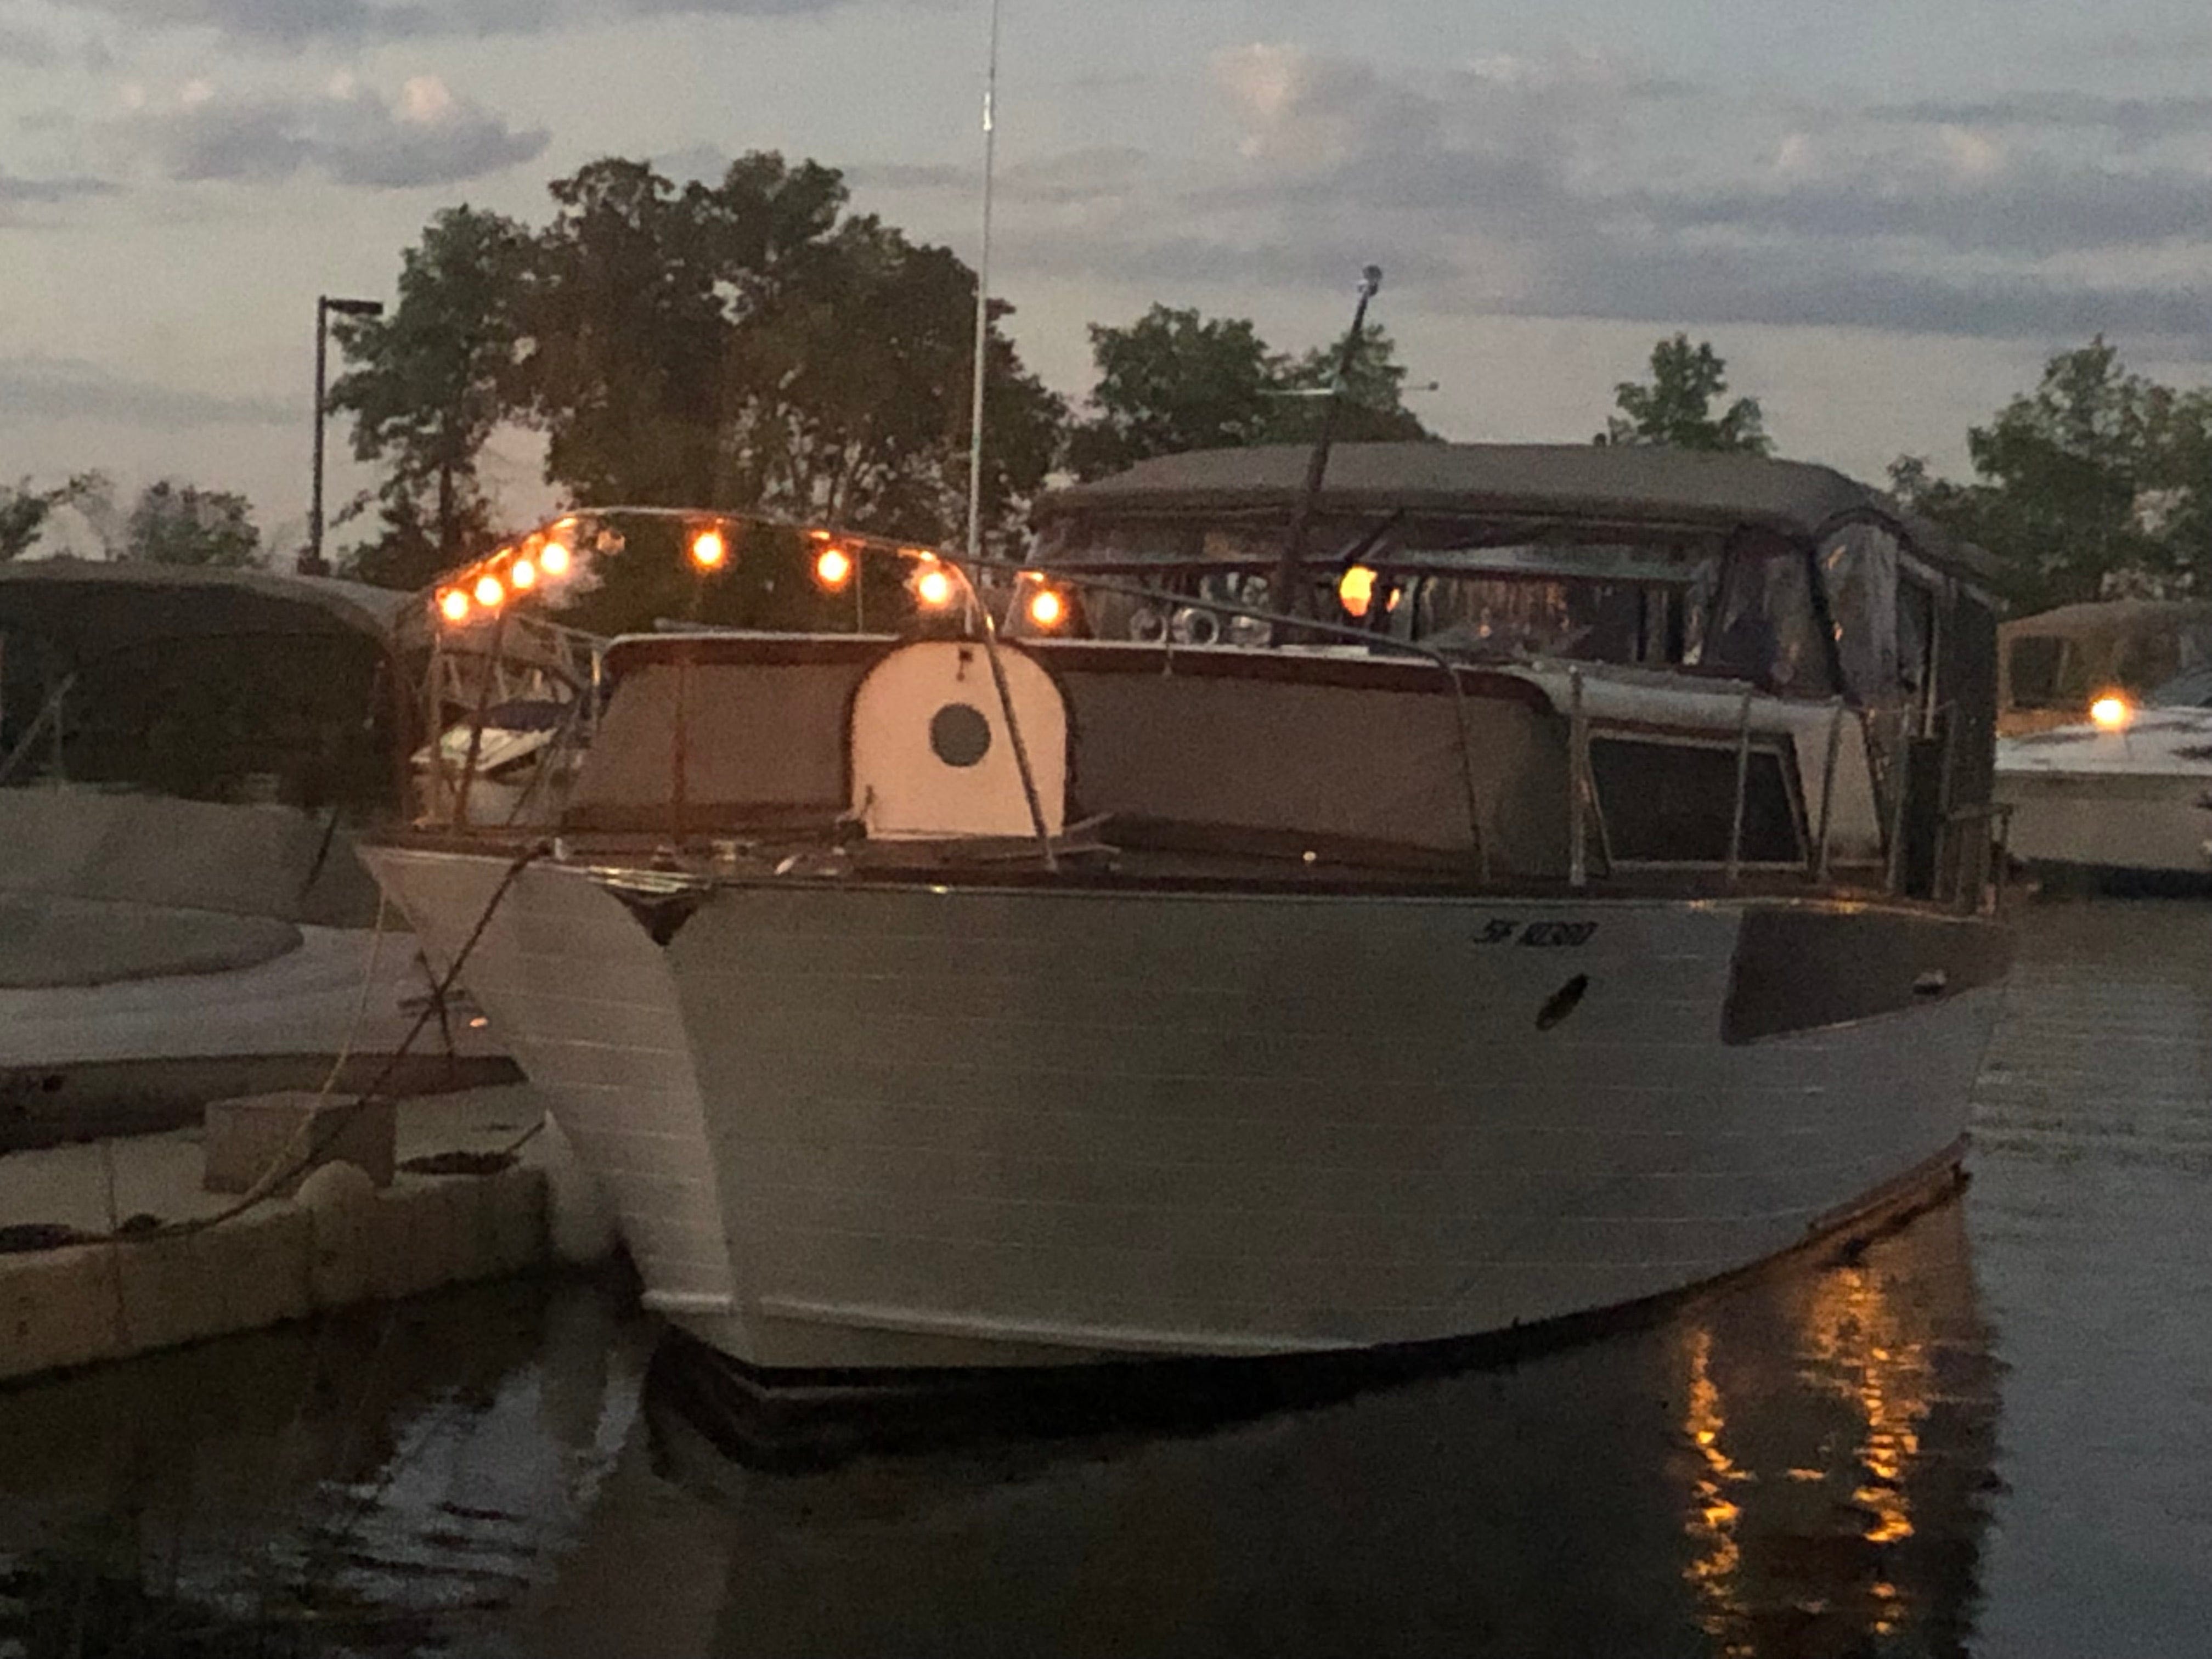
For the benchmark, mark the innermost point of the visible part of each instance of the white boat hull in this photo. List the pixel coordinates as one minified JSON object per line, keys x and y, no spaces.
{"x":2154,"y":822}
{"x":879,"y":1126}
{"x":2132,"y":800}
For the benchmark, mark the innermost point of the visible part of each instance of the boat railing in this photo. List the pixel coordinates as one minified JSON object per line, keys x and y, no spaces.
{"x":978,"y":588}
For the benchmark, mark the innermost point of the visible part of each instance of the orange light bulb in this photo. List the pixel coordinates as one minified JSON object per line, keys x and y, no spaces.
{"x":934,"y":587}
{"x":454,"y":605}
{"x":490,"y":594}
{"x":2112,"y":712}
{"x":1047,"y":608}
{"x":522,"y":576}
{"x":709,"y":550}
{"x":1356,"y":592}
{"x":833,"y":567}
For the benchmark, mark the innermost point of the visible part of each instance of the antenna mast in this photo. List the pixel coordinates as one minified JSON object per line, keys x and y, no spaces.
{"x":983,"y":295}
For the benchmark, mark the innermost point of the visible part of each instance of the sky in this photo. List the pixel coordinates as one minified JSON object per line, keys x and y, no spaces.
{"x":1885,"y":216}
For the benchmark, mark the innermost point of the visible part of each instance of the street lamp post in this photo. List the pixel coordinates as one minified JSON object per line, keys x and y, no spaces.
{"x":311,"y":562}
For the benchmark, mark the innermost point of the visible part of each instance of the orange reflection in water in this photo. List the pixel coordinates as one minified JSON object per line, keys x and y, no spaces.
{"x":1714,"y":1571}
{"x":1765,"y":1489}
{"x":1885,"y":1370}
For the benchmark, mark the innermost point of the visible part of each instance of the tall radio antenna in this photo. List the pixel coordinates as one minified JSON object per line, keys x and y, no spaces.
{"x":983,"y":295}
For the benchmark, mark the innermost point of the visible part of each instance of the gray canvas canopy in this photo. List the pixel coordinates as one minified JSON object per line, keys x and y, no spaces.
{"x":88,"y":608}
{"x":1639,"y":486}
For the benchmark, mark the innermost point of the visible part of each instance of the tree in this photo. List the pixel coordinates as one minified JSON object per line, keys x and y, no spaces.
{"x":431,"y":382}
{"x":25,"y":512}
{"x":2098,"y":483}
{"x":183,"y":524}
{"x":1373,"y":409}
{"x":1175,"y":380}
{"x":1676,"y":408}
{"x":849,"y":400}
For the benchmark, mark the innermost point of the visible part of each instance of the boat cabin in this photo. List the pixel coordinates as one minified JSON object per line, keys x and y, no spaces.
{"x":1500,"y":664}
{"x":2053,"y":666}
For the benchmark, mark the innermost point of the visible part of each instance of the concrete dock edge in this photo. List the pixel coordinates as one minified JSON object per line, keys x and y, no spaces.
{"x":338,"y":1244}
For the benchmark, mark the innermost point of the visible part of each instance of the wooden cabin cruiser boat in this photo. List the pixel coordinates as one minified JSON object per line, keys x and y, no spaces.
{"x":2105,"y":755}
{"x":183,"y":760}
{"x":1570,"y":888}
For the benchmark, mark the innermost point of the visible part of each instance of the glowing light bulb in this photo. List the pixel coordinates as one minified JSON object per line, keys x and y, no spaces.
{"x":454,"y":605}
{"x":2112,"y":712}
{"x":490,"y":594}
{"x":522,"y":576}
{"x":709,"y":550}
{"x":1047,"y":608}
{"x":554,"y":560}
{"x":934,"y":587}
{"x":833,"y":567}
{"x":1356,"y":590}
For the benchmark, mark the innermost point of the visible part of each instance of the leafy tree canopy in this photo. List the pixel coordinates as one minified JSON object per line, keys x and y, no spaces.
{"x":25,"y":512}
{"x":2097,"y":483}
{"x":1176,"y":380}
{"x":1675,"y":408}
{"x":746,"y":344}
{"x":431,"y":381}
{"x":182,"y":524}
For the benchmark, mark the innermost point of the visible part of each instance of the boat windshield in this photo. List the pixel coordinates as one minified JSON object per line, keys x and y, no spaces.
{"x":2166,"y":662}
{"x":1740,"y":604}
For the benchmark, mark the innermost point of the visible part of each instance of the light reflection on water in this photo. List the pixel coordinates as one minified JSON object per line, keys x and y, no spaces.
{"x":1874,"y":1455}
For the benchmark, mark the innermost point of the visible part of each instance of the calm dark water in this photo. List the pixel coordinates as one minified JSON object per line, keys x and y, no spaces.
{"x":1989,"y":1433}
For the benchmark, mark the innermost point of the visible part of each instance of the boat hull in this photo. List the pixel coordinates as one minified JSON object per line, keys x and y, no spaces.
{"x":2152,"y":822}
{"x":853,"y":1127}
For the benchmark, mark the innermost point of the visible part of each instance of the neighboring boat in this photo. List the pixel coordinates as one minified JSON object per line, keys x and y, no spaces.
{"x":1586,"y":897}
{"x":2106,"y":763}
{"x":185,"y":755}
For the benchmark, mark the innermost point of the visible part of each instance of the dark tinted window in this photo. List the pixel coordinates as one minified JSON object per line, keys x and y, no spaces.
{"x":2033,"y":665}
{"x":1674,"y":803}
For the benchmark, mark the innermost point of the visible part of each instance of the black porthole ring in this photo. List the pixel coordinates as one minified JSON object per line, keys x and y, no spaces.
{"x":960,"y":734}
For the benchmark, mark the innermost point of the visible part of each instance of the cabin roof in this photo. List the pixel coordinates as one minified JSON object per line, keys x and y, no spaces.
{"x":2102,"y":618}
{"x":1626,"y":484}
{"x":97,"y":608}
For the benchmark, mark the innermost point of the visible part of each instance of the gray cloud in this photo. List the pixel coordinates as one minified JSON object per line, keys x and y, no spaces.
{"x":35,"y":390}
{"x":28,"y":49}
{"x":2135,"y":121}
{"x":1583,"y":190}
{"x":46,"y":192}
{"x":2037,"y":208}
{"x":1072,"y":178}
{"x":290,"y":24}
{"x":1796,"y":287}
{"x":353,"y":135}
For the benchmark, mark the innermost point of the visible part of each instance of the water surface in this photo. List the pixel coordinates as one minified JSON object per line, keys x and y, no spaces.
{"x":1988,"y":1432}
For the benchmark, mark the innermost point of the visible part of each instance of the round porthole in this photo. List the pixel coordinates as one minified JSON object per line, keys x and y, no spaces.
{"x":960,"y":734}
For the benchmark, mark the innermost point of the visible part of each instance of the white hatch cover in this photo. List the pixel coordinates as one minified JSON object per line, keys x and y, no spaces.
{"x":930,"y":753}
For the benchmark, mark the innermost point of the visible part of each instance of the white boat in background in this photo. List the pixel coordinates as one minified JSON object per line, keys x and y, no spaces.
{"x":2105,"y":760}
{"x":185,"y":756}
{"x":1583,"y":896}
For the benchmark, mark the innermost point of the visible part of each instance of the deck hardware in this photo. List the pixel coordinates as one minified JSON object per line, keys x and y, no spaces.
{"x":1742,"y":788}
{"x":1828,"y":787}
{"x":1578,"y":740}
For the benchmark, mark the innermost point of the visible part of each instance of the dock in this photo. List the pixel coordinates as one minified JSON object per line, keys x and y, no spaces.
{"x":107,"y":1252}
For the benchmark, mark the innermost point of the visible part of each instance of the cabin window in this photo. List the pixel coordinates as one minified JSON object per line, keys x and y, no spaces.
{"x":2033,"y":665}
{"x":1764,"y":627}
{"x":1673,"y":802}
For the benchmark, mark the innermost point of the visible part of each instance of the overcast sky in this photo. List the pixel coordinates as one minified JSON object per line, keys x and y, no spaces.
{"x":1884,"y":214}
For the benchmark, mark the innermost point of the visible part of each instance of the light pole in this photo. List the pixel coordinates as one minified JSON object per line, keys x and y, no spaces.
{"x":311,"y":562}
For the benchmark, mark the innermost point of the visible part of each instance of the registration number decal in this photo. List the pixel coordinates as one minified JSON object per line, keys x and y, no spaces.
{"x":1541,"y":935}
